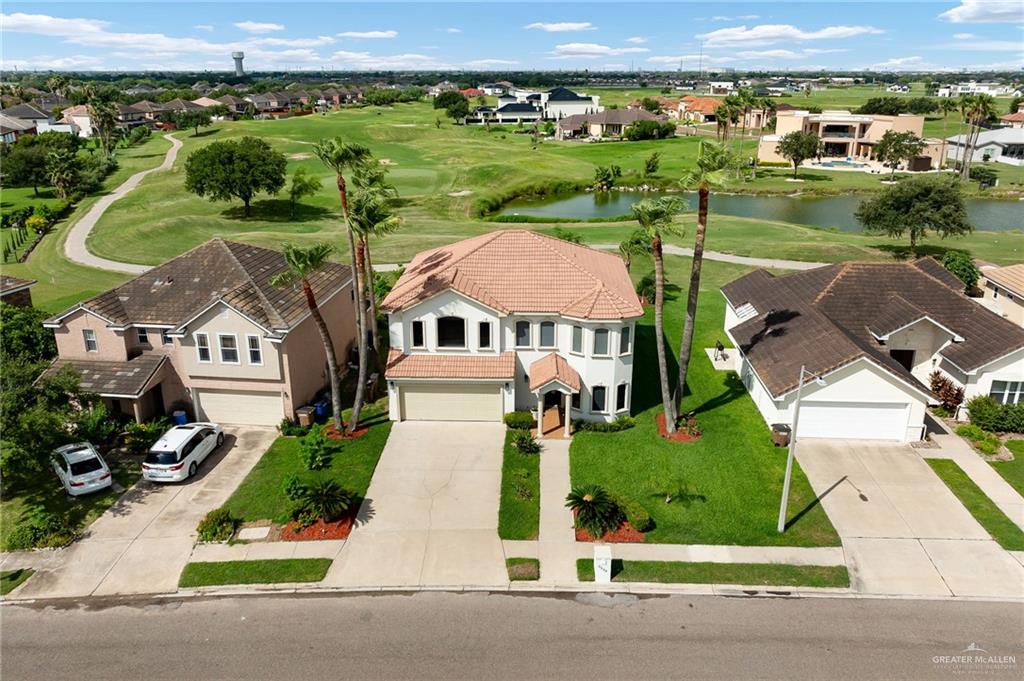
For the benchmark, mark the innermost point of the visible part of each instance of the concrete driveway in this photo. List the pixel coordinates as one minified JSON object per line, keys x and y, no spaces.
{"x":903,"y":530}
{"x":431,"y":513}
{"x":143,"y":541}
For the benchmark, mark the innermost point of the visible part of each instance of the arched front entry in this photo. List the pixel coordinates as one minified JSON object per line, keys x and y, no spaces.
{"x":554,"y":410}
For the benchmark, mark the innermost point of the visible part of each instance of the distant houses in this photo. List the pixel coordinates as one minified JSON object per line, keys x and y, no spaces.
{"x":973,"y":87}
{"x":1001,"y":145}
{"x":608,"y":124}
{"x":516,"y":106}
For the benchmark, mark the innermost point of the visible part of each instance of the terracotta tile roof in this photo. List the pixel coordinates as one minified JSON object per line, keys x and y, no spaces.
{"x":702,"y":105}
{"x":502,"y":366}
{"x":10,"y":284}
{"x":553,"y":367}
{"x":1011,"y":277}
{"x":518,"y":271}
{"x":1015,"y":117}
{"x":824,"y":318}
{"x":112,"y":378}
{"x":238,"y":274}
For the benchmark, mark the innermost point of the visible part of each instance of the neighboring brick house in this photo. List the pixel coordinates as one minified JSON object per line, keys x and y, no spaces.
{"x":512,"y":320}
{"x":14,"y":291}
{"x":207,"y":332}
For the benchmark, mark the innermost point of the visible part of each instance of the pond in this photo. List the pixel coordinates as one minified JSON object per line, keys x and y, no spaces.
{"x":824,"y":211}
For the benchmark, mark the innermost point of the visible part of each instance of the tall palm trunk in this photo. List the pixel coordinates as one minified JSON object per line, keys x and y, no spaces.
{"x":370,"y":294}
{"x":357,"y":401}
{"x":332,"y":358}
{"x":686,"y":344}
{"x":659,"y":334}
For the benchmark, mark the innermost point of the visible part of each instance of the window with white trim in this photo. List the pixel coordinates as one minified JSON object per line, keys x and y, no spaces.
{"x":203,"y":348}
{"x":523,"y":335}
{"x":165,"y":337}
{"x":228,"y":345}
{"x":601,"y":342}
{"x":621,"y":393}
{"x":577,"y":340}
{"x":1007,"y":392}
{"x":417,"y":335}
{"x":597,"y":399}
{"x":451,"y":332}
{"x":143,"y":335}
{"x":255,"y":348}
{"x":90,"y":340}
{"x":547,"y":334}
{"x":625,"y":340}
{"x":484,"y":336}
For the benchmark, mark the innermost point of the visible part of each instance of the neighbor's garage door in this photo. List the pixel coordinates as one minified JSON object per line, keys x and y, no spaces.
{"x":241,"y":408}
{"x":451,"y":402}
{"x":854,"y":420}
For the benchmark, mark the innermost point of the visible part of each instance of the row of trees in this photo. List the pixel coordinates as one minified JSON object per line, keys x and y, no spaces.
{"x":53,"y":158}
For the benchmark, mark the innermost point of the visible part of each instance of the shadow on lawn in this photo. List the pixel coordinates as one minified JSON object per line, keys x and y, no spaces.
{"x":904,"y":252}
{"x":277,"y":210}
{"x":734,"y":389}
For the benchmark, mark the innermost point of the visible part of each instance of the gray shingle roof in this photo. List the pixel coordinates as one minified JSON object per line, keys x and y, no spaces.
{"x":112,"y":378}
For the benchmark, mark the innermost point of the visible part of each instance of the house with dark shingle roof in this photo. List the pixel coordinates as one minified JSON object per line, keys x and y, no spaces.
{"x":15,"y":291}
{"x":208,"y":333}
{"x":1003,"y":289}
{"x":511,"y":320}
{"x":874,"y":332}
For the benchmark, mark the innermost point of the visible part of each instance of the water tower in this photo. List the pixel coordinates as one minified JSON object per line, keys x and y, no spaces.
{"x":238,"y":57}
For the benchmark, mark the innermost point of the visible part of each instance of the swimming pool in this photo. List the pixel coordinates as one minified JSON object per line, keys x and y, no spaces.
{"x":843,"y":164}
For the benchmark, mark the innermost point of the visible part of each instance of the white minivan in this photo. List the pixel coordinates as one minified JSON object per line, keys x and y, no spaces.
{"x":178,"y":453}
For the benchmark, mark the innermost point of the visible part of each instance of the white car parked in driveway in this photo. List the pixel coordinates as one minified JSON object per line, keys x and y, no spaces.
{"x":178,"y":453}
{"x":80,"y":468}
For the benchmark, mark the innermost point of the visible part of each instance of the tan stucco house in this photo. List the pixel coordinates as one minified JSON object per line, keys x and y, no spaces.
{"x":1003,"y":289}
{"x":207,"y":333}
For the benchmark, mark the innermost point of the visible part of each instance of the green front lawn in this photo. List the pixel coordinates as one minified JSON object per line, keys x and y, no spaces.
{"x":261,"y":494}
{"x":11,"y":579}
{"x":1003,"y":530}
{"x":285,"y":570}
{"x":519,"y":511}
{"x":745,"y":574}
{"x":1013,"y":471}
{"x":22,"y":494}
{"x":729,"y":481}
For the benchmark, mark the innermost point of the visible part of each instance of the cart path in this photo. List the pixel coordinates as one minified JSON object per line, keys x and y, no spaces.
{"x":671,"y":249}
{"x":75,"y":245}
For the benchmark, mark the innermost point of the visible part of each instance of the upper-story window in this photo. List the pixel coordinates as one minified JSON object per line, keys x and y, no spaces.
{"x":203,"y":348}
{"x":165,"y":337}
{"x":255,"y":348}
{"x":577,"y":340}
{"x":523,"y":335}
{"x":451,"y":332}
{"x":547,"y":334}
{"x":625,"y":341}
{"x":90,"y":340}
{"x":417,"y":335}
{"x":601,"y":342}
{"x":484,"y":335}
{"x":228,"y":348}
{"x":143,"y":335}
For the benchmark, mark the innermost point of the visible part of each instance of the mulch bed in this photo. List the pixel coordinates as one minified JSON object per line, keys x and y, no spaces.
{"x":626,"y":534}
{"x":331,"y":432}
{"x":339,"y":529}
{"x":678,"y":436}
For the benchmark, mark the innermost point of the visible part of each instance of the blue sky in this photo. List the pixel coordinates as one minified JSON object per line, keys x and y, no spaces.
{"x":887,"y":35}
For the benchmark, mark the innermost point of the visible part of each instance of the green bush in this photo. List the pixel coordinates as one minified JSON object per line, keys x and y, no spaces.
{"x":317,"y":449}
{"x":525,"y":443}
{"x":594,"y":510}
{"x":40,"y":529}
{"x":634,"y":511}
{"x":138,"y":437}
{"x":989,"y":415}
{"x":620,"y":423}
{"x":94,"y":425}
{"x":984,"y":442}
{"x":324,"y":499}
{"x":292,"y":487}
{"x":291,"y":428}
{"x":218,"y":525}
{"x":519,"y":420}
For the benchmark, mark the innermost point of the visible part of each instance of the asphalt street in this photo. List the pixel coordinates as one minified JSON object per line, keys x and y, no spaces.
{"x":483,"y":636}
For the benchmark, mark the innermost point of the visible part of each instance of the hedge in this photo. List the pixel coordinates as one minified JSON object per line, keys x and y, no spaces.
{"x":989,"y":415}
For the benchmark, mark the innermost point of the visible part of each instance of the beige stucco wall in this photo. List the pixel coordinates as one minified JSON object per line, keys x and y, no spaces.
{"x":221,"y":319}
{"x":925,"y":339}
{"x":786,"y":122}
{"x":110,"y":345}
{"x":1011,"y":309}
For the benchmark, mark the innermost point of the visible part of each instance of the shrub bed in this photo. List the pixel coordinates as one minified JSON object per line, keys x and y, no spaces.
{"x":989,"y":415}
{"x":218,"y":525}
{"x":983,"y":441}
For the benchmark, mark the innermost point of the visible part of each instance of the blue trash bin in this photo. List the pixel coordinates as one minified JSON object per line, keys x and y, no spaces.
{"x":321,"y":408}
{"x":180,"y":418}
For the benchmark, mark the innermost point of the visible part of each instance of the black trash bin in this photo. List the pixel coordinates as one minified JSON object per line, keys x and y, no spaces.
{"x":780,"y":434}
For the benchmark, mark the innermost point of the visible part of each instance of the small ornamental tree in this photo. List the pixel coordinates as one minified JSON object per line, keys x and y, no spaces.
{"x":303,"y":184}
{"x":447,"y":98}
{"x":895,"y":147}
{"x":797,"y":147}
{"x":962,"y":265}
{"x":193,"y":118}
{"x":238,"y":169}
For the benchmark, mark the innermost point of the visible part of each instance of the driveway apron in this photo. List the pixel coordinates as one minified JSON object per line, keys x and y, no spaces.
{"x":431,"y":512}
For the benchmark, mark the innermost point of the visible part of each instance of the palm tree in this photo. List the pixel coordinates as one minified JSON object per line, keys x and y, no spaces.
{"x":371,"y":216}
{"x":712,"y":161}
{"x":341,"y":156}
{"x":746,"y":101}
{"x":57,"y":85}
{"x":371,"y":177}
{"x":965,"y":103}
{"x":636,"y":244}
{"x":303,"y":263}
{"x":656,"y":220}
{"x":103,"y":118}
{"x":981,"y":109}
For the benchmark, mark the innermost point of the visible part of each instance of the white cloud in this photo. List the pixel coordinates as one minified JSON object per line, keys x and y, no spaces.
{"x":767,"y":34}
{"x":593,"y":50}
{"x":899,"y":63}
{"x":989,"y":46}
{"x":42,"y":24}
{"x":742,"y":17}
{"x":258,"y":27}
{"x":985,"y":12}
{"x":369,"y":35}
{"x":484,"y":63}
{"x":770,"y":54}
{"x":77,"y":62}
{"x":690,"y":59}
{"x":366,"y":60}
{"x":203,"y":27}
{"x":562,"y":27}
{"x":636,"y":40}
{"x":453,"y":30}
{"x":295,"y":42}
{"x":964,"y":36}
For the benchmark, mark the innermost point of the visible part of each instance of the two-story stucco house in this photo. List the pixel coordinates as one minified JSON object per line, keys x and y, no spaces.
{"x":1003,"y":289}
{"x":874,"y":333}
{"x":206,"y":332}
{"x":511,"y":320}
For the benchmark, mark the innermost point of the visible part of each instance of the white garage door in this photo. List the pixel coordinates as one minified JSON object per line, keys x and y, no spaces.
{"x":854,"y":420}
{"x":451,"y":402}
{"x":239,"y":407}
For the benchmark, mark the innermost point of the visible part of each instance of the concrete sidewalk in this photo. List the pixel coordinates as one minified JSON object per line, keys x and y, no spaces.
{"x":981,"y":473}
{"x":217,"y":553}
